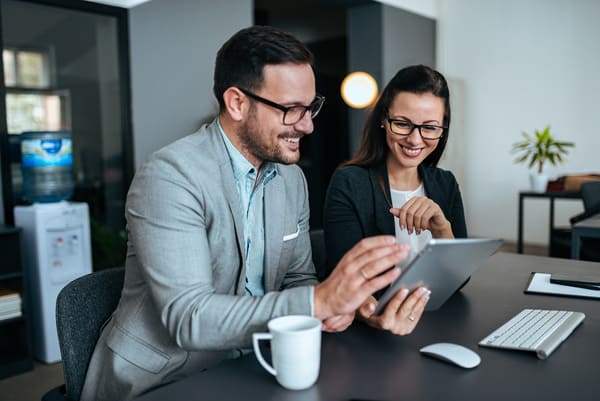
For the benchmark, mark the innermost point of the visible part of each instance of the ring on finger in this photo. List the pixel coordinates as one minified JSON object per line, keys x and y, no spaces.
{"x":411,"y":318}
{"x":362,"y":273}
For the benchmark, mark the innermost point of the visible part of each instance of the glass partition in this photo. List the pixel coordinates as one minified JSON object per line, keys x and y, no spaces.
{"x":66,"y":67}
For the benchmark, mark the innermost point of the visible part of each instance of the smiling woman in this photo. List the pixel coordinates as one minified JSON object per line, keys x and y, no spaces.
{"x":392,"y":185}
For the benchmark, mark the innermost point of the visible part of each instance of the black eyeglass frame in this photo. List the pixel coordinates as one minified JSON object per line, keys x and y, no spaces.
{"x":316,"y":105}
{"x":412,"y":126}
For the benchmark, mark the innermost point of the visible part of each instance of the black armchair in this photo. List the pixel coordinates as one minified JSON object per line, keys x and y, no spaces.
{"x":560,"y":245}
{"x":82,"y":308}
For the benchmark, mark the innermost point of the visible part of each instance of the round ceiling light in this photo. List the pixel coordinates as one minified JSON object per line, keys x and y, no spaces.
{"x":359,"y":89}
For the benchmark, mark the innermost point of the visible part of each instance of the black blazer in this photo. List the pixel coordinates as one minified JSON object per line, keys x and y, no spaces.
{"x":355,"y":207}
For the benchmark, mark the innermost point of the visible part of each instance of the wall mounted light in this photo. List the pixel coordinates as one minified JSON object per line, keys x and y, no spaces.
{"x":359,"y":89}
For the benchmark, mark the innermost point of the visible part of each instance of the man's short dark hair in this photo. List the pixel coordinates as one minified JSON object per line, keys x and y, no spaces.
{"x":241,"y":60}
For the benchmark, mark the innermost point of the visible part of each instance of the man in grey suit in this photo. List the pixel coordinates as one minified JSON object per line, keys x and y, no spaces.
{"x":218,"y":231}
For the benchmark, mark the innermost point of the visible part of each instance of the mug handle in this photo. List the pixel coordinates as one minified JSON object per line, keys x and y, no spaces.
{"x":256,"y":337}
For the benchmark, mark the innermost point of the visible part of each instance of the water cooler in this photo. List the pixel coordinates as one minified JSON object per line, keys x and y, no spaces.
{"x":56,"y":244}
{"x":55,"y":233}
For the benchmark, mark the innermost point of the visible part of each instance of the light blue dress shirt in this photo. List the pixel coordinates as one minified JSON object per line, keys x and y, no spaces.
{"x":250,"y":185}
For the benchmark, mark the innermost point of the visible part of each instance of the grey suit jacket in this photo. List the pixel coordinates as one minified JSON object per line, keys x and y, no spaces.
{"x":183,"y":307}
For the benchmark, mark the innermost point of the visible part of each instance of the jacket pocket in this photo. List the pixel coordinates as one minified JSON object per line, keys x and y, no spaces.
{"x":293,"y":235}
{"x":136,"y":351}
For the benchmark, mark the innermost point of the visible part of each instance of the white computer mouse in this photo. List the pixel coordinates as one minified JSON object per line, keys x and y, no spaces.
{"x":453,"y":353}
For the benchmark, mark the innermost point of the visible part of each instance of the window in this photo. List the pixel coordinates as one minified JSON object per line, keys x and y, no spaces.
{"x":10,"y":75}
{"x":31,"y":104}
{"x":54,"y":82}
{"x":36,"y":111}
{"x":26,"y":68}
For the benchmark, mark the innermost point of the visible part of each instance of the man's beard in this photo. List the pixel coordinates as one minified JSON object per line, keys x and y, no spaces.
{"x":251,"y":139}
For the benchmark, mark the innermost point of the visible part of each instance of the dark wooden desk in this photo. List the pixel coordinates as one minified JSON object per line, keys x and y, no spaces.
{"x":551,"y":195}
{"x":589,"y":227}
{"x":364,"y":363}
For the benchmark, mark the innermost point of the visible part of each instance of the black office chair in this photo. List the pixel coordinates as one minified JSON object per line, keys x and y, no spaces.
{"x":317,"y":243}
{"x":82,"y":307}
{"x":560,"y":245}
{"x":590,"y":194}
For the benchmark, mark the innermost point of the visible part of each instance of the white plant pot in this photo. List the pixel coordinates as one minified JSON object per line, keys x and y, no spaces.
{"x":538,"y":182}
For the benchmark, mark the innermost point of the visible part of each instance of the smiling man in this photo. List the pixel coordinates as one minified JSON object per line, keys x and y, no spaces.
{"x":218,"y":231}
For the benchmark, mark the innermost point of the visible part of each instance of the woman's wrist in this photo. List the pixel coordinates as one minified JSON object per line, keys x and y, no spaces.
{"x":443,"y":232}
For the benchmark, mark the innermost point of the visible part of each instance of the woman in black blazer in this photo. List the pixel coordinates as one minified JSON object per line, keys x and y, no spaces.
{"x":392,"y":185}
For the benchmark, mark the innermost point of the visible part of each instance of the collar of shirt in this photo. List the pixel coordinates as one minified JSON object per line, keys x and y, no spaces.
{"x":242,"y":168}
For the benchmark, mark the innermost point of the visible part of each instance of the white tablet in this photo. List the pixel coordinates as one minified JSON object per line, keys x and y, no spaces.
{"x":443,"y":265}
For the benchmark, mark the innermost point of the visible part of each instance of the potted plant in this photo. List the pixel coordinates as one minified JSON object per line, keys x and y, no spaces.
{"x":538,"y":149}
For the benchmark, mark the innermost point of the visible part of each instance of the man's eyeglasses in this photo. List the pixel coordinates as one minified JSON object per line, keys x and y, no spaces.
{"x":405,"y":128}
{"x":292,"y":114}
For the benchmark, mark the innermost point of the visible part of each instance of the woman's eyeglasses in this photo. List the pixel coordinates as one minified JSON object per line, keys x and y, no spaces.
{"x":405,"y":128}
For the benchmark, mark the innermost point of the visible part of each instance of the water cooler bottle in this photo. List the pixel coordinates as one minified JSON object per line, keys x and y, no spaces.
{"x":57,"y":249}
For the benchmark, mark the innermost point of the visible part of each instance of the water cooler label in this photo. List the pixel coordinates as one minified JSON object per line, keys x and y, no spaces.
{"x":65,"y":254}
{"x":46,"y":152}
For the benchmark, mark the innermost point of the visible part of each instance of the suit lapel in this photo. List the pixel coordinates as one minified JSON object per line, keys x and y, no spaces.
{"x":274,"y":209}
{"x":233,"y":200}
{"x":383,"y":219}
{"x":233,"y":203}
{"x":432,"y":190}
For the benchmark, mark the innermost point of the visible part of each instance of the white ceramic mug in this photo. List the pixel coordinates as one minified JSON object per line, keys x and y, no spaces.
{"x":295,"y":350}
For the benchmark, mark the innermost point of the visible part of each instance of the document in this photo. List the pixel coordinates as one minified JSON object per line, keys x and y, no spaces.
{"x":540,"y":283}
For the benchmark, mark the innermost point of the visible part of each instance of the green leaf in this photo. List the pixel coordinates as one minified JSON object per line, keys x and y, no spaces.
{"x":539,"y":148}
{"x":522,"y":158}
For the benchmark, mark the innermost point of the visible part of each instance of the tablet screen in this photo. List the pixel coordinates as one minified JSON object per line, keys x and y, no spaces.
{"x":442,"y":266}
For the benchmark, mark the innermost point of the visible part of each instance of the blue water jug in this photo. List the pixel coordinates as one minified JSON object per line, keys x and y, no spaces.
{"x":47,"y":165}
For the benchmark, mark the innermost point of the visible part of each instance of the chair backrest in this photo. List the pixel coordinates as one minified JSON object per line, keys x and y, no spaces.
{"x":82,"y":308}
{"x":590,"y":194}
{"x":317,"y":243}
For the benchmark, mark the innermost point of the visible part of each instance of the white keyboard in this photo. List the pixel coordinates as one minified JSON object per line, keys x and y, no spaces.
{"x":537,"y":330}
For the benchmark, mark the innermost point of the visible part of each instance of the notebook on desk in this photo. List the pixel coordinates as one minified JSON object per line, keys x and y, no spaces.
{"x":539,"y":283}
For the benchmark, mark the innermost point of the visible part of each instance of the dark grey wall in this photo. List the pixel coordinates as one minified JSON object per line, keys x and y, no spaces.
{"x":172,"y":59}
{"x":364,"y":54}
{"x":381,"y":40}
{"x":407,"y":39}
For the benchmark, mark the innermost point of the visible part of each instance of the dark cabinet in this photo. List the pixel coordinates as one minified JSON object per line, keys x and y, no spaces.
{"x":15,"y":340}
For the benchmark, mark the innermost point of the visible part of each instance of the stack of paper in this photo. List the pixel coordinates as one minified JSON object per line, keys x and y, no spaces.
{"x":540,"y":283}
{"x":10,"y":304}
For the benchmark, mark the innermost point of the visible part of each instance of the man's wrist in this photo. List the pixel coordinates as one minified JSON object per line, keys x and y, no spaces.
{"x":320,"y":310}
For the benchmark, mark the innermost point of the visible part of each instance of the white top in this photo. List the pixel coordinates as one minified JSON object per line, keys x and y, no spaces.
{"x":416,"y":242}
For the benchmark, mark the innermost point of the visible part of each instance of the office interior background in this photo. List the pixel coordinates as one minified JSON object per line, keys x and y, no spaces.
{"x":513,"y":66}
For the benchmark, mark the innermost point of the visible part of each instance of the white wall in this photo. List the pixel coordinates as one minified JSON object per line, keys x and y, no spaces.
{"x":426,"y":8}
{"x":173,"y":51}
{"x":525,"y":64}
